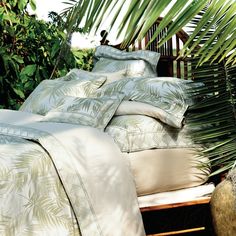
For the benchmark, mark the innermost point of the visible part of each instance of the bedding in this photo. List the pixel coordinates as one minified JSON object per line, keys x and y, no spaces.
{"x":187,"y":88}
{"x":94,"y":112}
{"x":78,"y":74}
{"x":63,"y":179}
{"x":166,"y":97}
{"x":137,"y":63}
{"x":46,"y":95}
{"x":138,"y":132}
{"x":161,"y":170}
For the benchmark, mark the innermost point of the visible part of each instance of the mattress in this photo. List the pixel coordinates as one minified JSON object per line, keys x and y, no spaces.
{"x":161,"y":170}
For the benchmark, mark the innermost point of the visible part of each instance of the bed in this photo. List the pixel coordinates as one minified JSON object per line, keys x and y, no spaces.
{"x":172,"y":164}
{"x":71,"y":163}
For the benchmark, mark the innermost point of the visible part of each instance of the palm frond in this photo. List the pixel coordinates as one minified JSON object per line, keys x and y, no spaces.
{"x":216,"y":113}
{"x":140,"y":15}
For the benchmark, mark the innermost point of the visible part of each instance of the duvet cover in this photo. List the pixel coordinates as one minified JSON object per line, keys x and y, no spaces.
{"x":62,"y":179}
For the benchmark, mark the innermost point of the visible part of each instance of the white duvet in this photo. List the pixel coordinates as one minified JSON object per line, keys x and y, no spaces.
{"x":84,"y":176}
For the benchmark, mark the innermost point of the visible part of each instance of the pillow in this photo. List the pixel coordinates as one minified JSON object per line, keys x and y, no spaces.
{"x":137,"y":132}
{"x":113,"y":76}
{"x":77,"y":74}
{"x":95,"y":112}
{"x":124,"y":86}
{"x":47,"y":94}
{"x":140,"y":108}
{"x":165,"y":95}
{"x":188,"y":87}
{"x":136,"y":63}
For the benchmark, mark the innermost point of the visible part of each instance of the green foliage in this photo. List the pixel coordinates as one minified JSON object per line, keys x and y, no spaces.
{"x":139,"y":16}
{"x":29,"y":49}
{"x":216,"y":114}
{"x":84,"y":58}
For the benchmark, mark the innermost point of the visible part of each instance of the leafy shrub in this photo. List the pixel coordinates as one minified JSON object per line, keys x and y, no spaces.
{"x":29,"y":50}
{"x":84,"y":58}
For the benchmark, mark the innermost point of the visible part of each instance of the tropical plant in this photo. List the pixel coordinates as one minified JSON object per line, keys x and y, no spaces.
{"x":217,"y":112}
{"x":213,"y":30}
{"x":84,"y":58}
{"x":28,"y":51}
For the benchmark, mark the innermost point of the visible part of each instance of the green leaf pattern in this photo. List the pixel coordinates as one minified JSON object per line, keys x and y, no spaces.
{"x":137,"y":132}
{"x":95,"y":112}
{"x":166,"y":94}
{"x":136,"y":63}
{"x":47,"y":94}
{"x":24,"y":168}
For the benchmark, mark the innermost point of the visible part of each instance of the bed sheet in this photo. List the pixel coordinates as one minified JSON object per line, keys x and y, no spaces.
{"x":161,"y":170}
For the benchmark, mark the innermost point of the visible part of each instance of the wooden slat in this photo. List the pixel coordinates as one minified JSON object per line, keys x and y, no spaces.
{"x":177,"y":53}
{"x":184,"y":231}
{"x":204,"y":200}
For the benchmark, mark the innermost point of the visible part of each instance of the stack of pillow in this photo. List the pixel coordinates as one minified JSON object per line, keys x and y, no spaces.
{"x":122,"y":96}
{"x":122,"y":89}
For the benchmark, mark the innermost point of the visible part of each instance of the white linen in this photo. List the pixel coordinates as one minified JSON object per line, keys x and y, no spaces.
{"x":91,"y":169}
{"x":161,"y":170}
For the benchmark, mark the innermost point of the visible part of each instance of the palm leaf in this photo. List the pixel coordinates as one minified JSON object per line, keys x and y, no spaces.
{"x":216,"y":113}
{"x":140,"y":15}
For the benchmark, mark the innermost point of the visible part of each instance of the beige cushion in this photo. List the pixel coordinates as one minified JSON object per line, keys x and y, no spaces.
{"x":161,"y":170}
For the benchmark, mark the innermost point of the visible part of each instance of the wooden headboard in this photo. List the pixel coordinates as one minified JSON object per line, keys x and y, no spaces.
{"x":168,"y":64}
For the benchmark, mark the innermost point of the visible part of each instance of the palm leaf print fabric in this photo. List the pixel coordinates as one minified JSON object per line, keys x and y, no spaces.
{"x":32,"y":200}
{"x":135,"y":63}
{"x":134,"y":133}
{"x":62,"y":179}
{"x":48,"y":92}
{"x":167,"y":95}
{"x":94,"y":112}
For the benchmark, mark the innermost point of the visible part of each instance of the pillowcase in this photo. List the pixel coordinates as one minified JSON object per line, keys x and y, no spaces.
{"x":166,"y":96}
{"x":47,"y":94}
{"x":136,"y":63}
{"x":113,"y":76}
{"x":140,"y":108}
{"x":77,"y":74}
{"x":124,"y":86}
{"x":188,"y":87}
{"x":95,"y":112}
{"x":137,"y":132}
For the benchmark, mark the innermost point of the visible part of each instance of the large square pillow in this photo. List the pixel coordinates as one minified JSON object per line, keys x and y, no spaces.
{"x":94,"y":112}
{"x":134,"y":133}
{"x":47,"y":94}
{"x":136,"y":63}
{"x":124,"y":86}
{"x":77,"y":74}
{"x":188,"y":88}
{"x":166,"y":95}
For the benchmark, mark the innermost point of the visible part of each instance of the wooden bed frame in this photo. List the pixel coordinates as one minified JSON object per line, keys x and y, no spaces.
{"x":170,"y":66}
